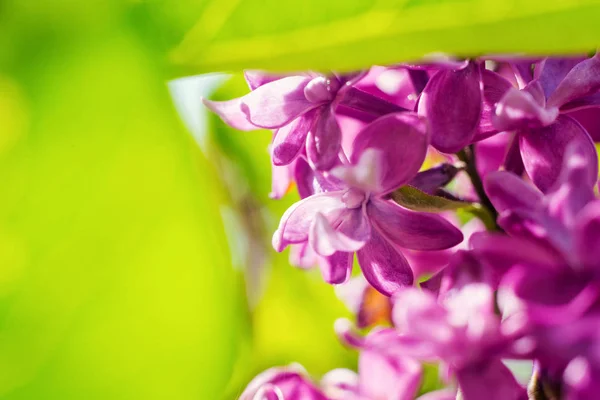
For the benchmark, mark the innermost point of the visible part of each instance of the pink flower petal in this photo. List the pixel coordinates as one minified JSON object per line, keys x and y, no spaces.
{"x":324,"y":140}
{"x":290,"y":139}
{"x":276,"y":103}
{"x":383,"y":266}
{"x":325,"y":240}
{"x":295,"y":223}
{"x":452,"y":102}
{"x":231,"y":113}
{"x":543,"y":150}
{"x":390,"y":134}
{"x":411,"y":229}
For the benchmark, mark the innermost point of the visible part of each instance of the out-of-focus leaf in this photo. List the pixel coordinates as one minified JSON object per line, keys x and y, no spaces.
{"x":115,"y":277}
{"x":431,"y":380}
{"x":353,"y":34}
{"x":414,"y":199}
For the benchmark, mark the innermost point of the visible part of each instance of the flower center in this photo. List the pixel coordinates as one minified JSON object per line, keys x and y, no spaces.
{"x":321,"y":89}
{"x":354,"y":198}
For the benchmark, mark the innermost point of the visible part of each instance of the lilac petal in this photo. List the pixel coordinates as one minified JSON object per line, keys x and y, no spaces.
{"x":513,"y":161}
{"x":491,"y":381}
{"x":324,"y":141}
{"x":551,"y":71}
{"x":465,"y":268}
{"x":390,"y":134}
{"x":291,"y":139}
{"x":302,"y":256}
{"x":426,"y":263}
{"x":543,"y":150}
{"x":411,"y":229}
{"x":365,"y":174}
{"x":587,"y":237}
{"x":340,"y":384}
{"x":589,"y":118}
{"x":494,"y":88}
{"x":231,"y":113}
{"x":365,"y":102}
{"x":490,"y":153}
{"x":281,"y":180}
{"x":325,"y":240}
{"x":575,"y":186}
{"x":383,"y":376}
{"x":418,"y":79}
{"x":582,"y":103}
{"x":282,"y":383}
{"x":419,"y":316}
{"x":276,"y":103}
{"x":508,"y":191}
{"x":549,"y":297}
{"x":523,"y":71}
{"x":430,"y":180}
{"x":311,"y":182}
{"x":336,"y":268}
{"x":581,"y":81}
{"x":451,"y":101}
{"x":502,"y":252}
{"x":518,"y":109}
{"x":383,"y":266}
{"x":295,"y":223}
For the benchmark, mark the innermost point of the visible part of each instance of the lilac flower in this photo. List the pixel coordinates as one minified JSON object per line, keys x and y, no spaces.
{"x":287,"y":383}
{"x":569,"y":357}
{"x":452,"y":102}
{"x":356,"y":215}
{"x":301,"y":109}
{"x":550,"y":287}
{"x":395,"y":85}
{"x":462,"y":331}
{"x":557,"y":231}
{"x":425,"y":263}
{"x":385,"y":372}
{"x":539,"y":114}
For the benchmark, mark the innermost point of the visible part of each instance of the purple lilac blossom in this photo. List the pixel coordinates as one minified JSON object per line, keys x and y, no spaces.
{"x":539,"y":113}
{"x":302,"y":110}
{"x":356,"y":216}
{"x":462,"y":331}
{"x":550,"y":288}
{"x":529,"y":291}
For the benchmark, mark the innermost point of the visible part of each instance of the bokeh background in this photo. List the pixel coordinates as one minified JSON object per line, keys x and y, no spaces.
{"x":135,"y":258}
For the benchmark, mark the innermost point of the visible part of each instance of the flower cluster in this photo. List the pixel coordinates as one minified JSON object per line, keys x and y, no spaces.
{"x":381,"y":160}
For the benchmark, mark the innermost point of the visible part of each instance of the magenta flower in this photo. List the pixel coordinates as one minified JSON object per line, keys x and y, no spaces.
{"x":301,"y":109}
{"x":539,"y":114}
{"x":452,"y":102}
{"x":283,"y":383}
{"x":385,"y":371}
{"x":551,"y":262}
{"x":358,"y":217}
{"x":462,"y":331}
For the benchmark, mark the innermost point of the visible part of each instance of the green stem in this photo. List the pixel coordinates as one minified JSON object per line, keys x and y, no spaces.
{"x":467,"y":155}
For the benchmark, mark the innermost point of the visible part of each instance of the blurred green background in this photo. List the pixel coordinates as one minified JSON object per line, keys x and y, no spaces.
{"x":135,"y":265}
{"x":117,"y":280}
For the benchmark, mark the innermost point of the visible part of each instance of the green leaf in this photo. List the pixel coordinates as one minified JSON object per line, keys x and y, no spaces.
{"x":115,"y":278}
{"x":414,"y":199}
{"x":354,"y":34}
